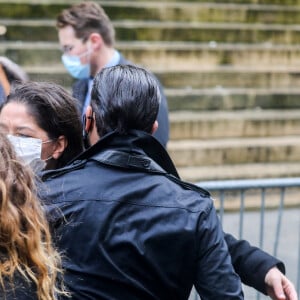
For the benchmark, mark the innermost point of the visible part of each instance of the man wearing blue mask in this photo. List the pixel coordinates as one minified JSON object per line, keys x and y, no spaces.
{"x":87,"y":38}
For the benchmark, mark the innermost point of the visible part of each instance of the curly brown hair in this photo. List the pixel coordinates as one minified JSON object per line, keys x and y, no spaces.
{"x":25,"y":241}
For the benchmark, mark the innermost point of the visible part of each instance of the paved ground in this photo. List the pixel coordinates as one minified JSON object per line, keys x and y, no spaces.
{"x":288,"y":246}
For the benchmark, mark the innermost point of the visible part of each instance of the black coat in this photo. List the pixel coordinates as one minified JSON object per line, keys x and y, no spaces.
{"x":18,"y":289}
{"x":2,"y":94}
{"x":130,"y":230}
{"x":80,"y":89}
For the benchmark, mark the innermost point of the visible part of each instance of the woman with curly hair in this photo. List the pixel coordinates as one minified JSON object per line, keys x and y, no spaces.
{"x":29,"y":265}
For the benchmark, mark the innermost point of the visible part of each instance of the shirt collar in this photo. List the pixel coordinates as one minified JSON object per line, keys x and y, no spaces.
{"x":114,"y":60}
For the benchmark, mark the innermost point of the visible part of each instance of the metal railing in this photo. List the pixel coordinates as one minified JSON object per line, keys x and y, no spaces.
{"x":273,"y":198}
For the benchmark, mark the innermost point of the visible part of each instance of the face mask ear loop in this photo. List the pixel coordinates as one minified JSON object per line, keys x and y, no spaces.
{"x":48,"y":141}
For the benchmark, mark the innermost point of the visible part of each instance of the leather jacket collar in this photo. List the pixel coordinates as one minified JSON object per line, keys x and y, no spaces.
{"x":136,"y":150}
{"x":135,"y":141}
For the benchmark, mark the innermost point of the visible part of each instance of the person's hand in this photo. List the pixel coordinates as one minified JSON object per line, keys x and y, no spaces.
{"x":279,"y":287}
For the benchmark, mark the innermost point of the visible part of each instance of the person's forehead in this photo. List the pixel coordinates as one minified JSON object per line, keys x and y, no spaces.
{"x":67,"y":35}
{"x":15,"y":108}
{"x":14,"y":117}
{"x":15,"y":113}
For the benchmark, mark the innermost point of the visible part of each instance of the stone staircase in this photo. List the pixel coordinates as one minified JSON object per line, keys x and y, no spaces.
{"x":231,"y":72}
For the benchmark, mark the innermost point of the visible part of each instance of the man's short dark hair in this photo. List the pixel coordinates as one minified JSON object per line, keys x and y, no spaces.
{"x":86,"y":18}
{"x":125,"y":97}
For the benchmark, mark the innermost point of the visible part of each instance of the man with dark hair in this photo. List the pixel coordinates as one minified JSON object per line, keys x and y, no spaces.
{"x":87,"y":38}
{"x":131,"y":229}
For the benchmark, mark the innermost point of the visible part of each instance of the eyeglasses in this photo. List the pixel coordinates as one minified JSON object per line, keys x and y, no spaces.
{"x":67,"y":49}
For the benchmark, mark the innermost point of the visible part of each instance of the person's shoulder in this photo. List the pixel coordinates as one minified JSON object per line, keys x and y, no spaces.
{"x":2,"y":94}
{"x":65,"y":171}
{"x":181,"y":195}
{"x":18,"y":289}
{"x":79,"y":88}
{"x":79,"y":83}
{"x":124,"y":61}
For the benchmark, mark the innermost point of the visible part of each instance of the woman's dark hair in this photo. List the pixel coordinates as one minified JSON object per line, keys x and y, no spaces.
{"x":55,"y":111}
{"x":125,"y":97}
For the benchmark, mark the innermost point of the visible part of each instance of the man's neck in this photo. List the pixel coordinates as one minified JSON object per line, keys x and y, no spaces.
{"x":103,"y":57}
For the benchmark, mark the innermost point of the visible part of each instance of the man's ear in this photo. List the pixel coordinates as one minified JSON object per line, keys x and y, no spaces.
{"x":154,"y":127}
{"x":96,"y":40}
{"x":61,"y":144}
{"x":88,"y":120}
{"x":93,"y":135}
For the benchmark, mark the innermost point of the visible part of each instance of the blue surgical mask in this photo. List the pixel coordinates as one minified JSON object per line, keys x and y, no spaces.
{"x":74,"y":66}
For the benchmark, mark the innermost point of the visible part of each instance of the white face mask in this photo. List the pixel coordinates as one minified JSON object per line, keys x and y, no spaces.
{"x":29,"y":150}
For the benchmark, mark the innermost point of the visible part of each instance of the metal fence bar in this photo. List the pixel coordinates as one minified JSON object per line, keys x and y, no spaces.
{"x":278,"y":227}
{"x":221,"y":210}
{"x":298,"y":281}
{"x":242,"y":209}
{"x":262,"y":217}
{"x":227,"y":185}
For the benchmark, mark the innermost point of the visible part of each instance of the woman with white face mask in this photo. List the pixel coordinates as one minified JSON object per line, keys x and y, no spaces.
{"x":42,"y":122}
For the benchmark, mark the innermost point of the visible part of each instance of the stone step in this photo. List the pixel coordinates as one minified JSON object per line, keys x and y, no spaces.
{"x":217,"y":77}
{"x":50,"y":72}
{"x":238,"y":171}
{"x":167,"y":55}
{"x":226,"y":151}
{"x":69,"y":2}
{"x":233,"y":124}
{"x":220,"y":98}
{"x":232,"y":76}
{"x":216,"y":98}
{"x":268,"y":2}
{"x":164,"y":11}
{"x":128,"y":30}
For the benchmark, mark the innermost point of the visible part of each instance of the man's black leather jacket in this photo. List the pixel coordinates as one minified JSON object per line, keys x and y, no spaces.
{"x":130,"y":230}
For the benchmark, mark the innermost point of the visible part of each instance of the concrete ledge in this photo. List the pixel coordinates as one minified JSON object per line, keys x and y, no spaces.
{"x":220,"y":98}
{"x":34,"y":30}
{"x":240,"y":123}
{"x":164,"y":11}
{"x":234,"y":151}
{"x":171,"y":56}
{"x":240,"y":171}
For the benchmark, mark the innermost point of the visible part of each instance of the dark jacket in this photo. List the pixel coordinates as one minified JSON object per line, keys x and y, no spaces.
{"x":251,"y":263}
{"x":2,"y":95}
{"x":129,"y":230}
{"x":18,"y":289}
{"x":80,"y":89}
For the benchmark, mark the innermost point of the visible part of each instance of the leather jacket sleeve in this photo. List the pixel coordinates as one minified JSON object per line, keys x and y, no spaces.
{"x":251,"y":263}
{"x":220,"y":280}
